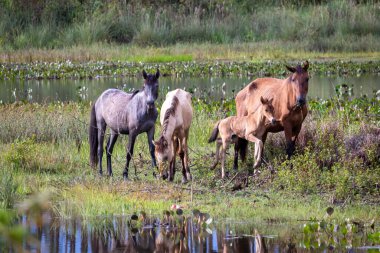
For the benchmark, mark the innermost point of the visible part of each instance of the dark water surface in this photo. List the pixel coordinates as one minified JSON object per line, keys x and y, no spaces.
{"x":114,"y":234}
{"x":76,"y":90}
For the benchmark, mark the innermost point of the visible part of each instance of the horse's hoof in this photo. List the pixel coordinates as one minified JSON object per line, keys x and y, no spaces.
{"x":184,"y":180}
{"x":125,"y":177}
{"x":189,"y":177}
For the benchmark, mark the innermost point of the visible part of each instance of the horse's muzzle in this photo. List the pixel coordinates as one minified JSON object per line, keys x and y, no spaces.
{"x":274,"y":121}
{"x":301,"y":102}
{"x":162,"y":168}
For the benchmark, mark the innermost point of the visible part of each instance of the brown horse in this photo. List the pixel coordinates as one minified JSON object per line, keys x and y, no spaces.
{"x":176,"y":116}
{"x":289,"y":101}
{"x":251,"y":127}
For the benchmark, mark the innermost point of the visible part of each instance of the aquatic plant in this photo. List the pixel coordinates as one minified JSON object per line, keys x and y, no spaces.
{"x":88,"y":70}
{"x":336,"y":233}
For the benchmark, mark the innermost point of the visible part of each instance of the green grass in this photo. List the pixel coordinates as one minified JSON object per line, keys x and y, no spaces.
{"x":161,"y":58}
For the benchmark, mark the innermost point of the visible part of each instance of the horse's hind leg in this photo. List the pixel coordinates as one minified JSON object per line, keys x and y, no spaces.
{"x":236,"y":155}
{"x":110,"y":144}
{"x":172,"y":162}
{"x":223,"y":160}
{"x":217,"y":152}
{"x":184,"y":154}
{"x":131,"y":144}
{"x":101,"y":131}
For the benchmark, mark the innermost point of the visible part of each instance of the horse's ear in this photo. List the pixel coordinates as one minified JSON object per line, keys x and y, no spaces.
{"x":154,"y":143}
{"x":270,"y":101}
{"x":145,"y":75}
{"x":157,"y":74}
{"x":263,"y":101}
{"x":165,"y":143}
{"x":305,"y":65}
{"x":291,"y":69}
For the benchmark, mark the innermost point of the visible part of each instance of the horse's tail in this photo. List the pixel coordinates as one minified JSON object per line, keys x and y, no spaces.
{"x":93,"y":138}
{"x":242,"y":148}
{"x":214,"y":133}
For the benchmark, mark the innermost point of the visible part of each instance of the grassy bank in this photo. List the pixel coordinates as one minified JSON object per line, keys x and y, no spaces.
{"x":344,"y":174}
{"x":200,"y":52}
{"x":337,"y":26}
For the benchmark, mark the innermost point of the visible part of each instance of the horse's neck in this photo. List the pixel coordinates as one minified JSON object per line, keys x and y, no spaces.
{"x":169,"y":127}
{"x":257,"y":117}
{"x":288,"y":95}
{"x":140,"y":100}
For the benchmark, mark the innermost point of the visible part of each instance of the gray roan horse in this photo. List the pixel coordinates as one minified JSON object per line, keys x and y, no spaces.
{"x":124,"y":113}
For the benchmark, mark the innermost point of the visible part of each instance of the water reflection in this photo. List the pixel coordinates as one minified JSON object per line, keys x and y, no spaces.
{"x":78,"y":90}
{"x":114,"y":234}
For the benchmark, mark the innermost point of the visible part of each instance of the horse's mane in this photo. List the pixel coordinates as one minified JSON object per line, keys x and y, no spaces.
{"x":170,"y":111}
{"x":135,"y":92}
{"x":162,"y":143}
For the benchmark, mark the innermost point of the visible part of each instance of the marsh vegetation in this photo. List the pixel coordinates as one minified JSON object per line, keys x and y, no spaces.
{"x":44,"y":165}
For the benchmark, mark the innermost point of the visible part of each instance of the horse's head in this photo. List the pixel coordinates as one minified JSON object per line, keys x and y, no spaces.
{"x":164,"y":153}
{"x":300,"y":82}
{"x":267,"y":110}
{"x":151,"y":87}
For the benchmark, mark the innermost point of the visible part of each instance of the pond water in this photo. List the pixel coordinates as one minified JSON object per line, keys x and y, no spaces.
{"x":77,"y":90}
{"x":116,"y":234}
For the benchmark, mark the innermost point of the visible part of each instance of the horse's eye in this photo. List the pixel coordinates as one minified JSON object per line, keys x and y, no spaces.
{"x":307,"y":79}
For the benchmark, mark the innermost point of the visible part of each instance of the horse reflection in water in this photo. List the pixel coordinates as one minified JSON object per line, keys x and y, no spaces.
{"x":114,"y":235}
{"x":189,"y":238}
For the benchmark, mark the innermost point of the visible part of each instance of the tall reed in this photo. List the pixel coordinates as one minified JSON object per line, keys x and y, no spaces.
{"x":339,"y":25}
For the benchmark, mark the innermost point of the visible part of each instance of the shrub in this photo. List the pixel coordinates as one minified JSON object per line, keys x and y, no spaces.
{"x":22,"y":154}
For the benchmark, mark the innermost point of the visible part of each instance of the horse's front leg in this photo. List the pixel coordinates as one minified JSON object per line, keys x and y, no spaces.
{"x":258,"y":149}
{"x":290,"y":144}
{"x":150,"y":135}
{"x":131,"y":144}
{"x":296,"y":131}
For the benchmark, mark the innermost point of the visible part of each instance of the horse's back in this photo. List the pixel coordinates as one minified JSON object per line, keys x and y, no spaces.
{"x":184,"y":110}
{"x":248,"y":99}
{"x":111,"y":107}
{"x":113,"y":97}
